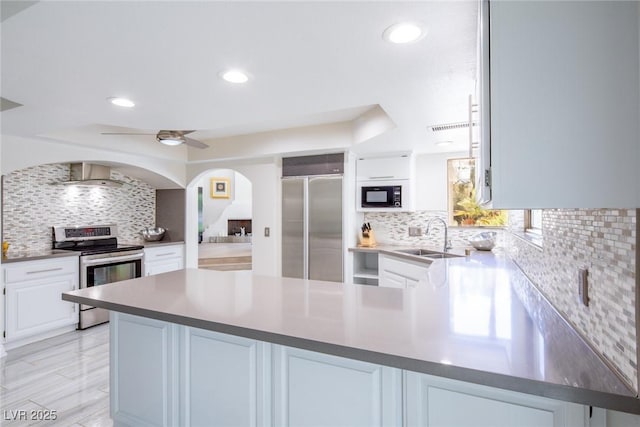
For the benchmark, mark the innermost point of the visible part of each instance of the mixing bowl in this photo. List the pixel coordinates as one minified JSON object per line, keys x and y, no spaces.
{"x":153,"y":234}
{"x":484,"y":241}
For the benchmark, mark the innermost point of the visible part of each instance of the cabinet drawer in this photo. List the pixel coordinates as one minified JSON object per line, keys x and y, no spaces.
{"x":163,"y":252}
{"x":403,"y":268}
{"x":30,"y":270}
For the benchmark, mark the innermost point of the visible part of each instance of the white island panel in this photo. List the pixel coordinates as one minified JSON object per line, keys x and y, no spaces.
{"x":315,"y":389}
{"x":223,"y":381}
{"x":142,"y":369}
{"x":433,"y":401}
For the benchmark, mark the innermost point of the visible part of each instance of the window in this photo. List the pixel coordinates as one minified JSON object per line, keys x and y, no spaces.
{"x":533,"y":221}
{"x":464,"y":209}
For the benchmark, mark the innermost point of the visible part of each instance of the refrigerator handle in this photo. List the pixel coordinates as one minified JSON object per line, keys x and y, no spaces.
{"x":305,"y":232}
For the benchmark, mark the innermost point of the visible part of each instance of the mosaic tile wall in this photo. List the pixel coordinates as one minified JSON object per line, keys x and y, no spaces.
{"x":32,"y":205}
{"x":604,"y":241}
{"x":392,"y":228}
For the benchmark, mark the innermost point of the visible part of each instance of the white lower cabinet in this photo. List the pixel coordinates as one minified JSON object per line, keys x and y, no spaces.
{"x":143,"y":370}
{"x":434,"y":401}
{"x":163,"y":259}
{"x":400,"y":273}
{"x":315,"y":389}
{"x":224,"y":380}
{"x":33,"y":301}
{"x":164,"y":374}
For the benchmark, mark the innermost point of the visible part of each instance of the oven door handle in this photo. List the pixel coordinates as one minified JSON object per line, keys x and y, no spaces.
{"x":111,"y":260}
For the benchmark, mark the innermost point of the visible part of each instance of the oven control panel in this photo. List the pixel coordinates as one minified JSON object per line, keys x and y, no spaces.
{"x":84,"y":232}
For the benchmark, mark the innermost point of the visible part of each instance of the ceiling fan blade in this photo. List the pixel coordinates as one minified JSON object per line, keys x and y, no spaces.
{"x":173,"y":132}
{"x":195,"y":143}
{"x":124,"y":133}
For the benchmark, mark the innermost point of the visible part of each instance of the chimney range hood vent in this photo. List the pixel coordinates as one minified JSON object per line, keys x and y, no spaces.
{"x":89,"y":174}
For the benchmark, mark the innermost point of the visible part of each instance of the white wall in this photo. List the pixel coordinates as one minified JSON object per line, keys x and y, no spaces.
{"x":431,"y":180}
{"x":303,"y":140}
{"x":20,"y":153}
{"x":216,"y":212}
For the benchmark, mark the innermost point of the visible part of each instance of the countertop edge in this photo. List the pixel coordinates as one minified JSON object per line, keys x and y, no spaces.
{"x":396,"y":251}
{"x":148,"y":245}
{"x":623,"y":403}
{"x":28,"y":257}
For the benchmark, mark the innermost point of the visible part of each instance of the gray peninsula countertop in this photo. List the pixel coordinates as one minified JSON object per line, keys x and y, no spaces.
{"x":476,"y":319}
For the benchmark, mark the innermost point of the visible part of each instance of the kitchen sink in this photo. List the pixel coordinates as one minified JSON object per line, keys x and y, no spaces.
{"x":427,"y":253}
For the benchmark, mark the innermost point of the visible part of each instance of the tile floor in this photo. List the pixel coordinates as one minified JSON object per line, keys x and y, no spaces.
{"x":68,"y":374}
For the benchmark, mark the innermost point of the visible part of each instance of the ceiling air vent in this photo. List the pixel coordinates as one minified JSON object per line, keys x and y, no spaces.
{"x":450,"y":126}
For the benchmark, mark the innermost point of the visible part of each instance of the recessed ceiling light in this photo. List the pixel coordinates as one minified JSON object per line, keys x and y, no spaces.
{"x":235,"y":76}
{"x":403,"y":32}
{"x":121,"y":102}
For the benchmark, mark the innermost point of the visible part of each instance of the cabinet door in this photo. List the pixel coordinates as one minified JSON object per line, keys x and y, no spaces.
{"x":143,"y":371}
{"x":224,"y":382}
{"x":157,"y":267}
{"x":163,"y":259}
{"x":315,"y":389}
{"x":564,"y":104}
{"x":435,"y":401}
{"x":389,"y":279}
{"x":35,"y":306}
{"x":396,"y":272}
{"x":384,"y":168}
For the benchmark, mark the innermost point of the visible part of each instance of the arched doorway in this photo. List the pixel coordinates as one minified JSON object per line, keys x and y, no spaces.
{"x":225,"y":226}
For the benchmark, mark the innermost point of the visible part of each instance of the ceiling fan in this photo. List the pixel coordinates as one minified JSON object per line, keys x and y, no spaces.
{"x":168,"y":137}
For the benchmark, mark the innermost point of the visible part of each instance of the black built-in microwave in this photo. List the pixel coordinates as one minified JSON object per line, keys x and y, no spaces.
{"x":381,"y":196}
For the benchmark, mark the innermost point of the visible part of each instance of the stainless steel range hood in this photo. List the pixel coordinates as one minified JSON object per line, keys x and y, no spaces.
{"x":91,"y":175}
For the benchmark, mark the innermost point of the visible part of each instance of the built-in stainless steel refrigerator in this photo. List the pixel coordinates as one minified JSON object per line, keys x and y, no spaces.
{"x":312,"y":245}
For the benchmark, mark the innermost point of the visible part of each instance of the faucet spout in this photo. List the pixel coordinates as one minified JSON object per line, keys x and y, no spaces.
{"x":447,"y":243}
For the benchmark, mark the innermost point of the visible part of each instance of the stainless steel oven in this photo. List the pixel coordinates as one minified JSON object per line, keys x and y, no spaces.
{"x":102,"y":261}
{"x":103,"y":268}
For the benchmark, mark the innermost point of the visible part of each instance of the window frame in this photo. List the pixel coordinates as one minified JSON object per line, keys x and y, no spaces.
{"x":531,"y":225}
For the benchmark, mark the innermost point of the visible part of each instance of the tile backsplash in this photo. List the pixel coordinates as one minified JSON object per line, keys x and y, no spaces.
{"x":31,"y":205}
{"x":602,"y":240}
{"x":392,"y":228}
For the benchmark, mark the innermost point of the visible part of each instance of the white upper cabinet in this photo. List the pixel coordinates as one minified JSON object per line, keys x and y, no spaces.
{"x":564,"y":87}
{"x":385,"y":168}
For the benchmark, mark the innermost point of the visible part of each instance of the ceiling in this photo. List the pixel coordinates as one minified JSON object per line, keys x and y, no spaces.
{"x":309,"y":63}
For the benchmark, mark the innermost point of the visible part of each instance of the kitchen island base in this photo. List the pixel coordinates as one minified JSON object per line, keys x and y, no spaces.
{"x":165,"y":374}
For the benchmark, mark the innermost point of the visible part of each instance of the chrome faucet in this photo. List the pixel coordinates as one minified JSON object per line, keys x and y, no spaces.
{"x":447,"y":243}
